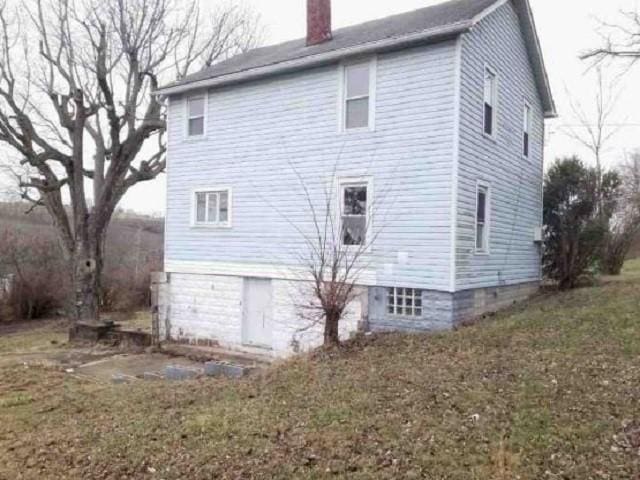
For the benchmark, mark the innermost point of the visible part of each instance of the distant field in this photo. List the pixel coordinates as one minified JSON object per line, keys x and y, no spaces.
{"x":550,"y":390}
{"x":13,"y":216}
{"x":134,"y":249}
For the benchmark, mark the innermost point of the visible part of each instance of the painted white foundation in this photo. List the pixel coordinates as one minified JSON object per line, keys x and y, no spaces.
{"x":198,"y":308}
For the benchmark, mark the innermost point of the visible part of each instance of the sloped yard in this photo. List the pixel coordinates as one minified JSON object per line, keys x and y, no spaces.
{"x":547,"y":391}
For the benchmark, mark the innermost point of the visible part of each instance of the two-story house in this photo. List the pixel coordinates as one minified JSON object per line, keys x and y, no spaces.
{"x":436,"y":116}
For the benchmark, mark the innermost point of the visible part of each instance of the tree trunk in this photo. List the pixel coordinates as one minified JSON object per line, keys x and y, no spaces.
{"x":331,"y":336}
{"x":87,"y":270}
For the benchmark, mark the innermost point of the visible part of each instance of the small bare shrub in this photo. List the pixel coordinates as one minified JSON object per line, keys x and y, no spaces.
{"x":624,"y":227}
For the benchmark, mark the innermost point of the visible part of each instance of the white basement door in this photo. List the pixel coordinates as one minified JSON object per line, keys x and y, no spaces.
{"x":258,"y":311}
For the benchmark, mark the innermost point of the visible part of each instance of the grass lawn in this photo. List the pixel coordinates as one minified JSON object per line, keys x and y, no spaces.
{"x":550,"y":390}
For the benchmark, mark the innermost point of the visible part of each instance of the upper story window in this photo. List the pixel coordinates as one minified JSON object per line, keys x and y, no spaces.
{"x":196,"y":115}
{"x":212,"y":208}
{"x":354,"y":212}
{"x":358,"y":95}
{"x":490,"y":101}
{"x":482,"y":219}
{"x":526,"y":129}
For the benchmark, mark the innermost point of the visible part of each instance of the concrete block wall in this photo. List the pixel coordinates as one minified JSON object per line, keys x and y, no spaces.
{"x":471,"y":304}
{"x":444,"y":310}
{"x":437,"y":313}
{"x":205,"y":309}
{"x":208,"y":309}
{"x":297,"y":328}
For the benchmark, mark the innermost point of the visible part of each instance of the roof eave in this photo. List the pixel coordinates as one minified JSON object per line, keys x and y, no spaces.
{"x":536,"y":51}
{"x":425,"y":36}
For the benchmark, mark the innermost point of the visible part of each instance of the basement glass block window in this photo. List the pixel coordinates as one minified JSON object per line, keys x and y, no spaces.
{"x":195,"y":116}
{"x":212,"y":208}
{"x":357,"y":95}
{"x":406,"y":302}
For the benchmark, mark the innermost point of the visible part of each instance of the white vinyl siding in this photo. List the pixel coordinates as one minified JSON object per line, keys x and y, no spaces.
{"x":277,"y":134}
{"x":516,"y":186}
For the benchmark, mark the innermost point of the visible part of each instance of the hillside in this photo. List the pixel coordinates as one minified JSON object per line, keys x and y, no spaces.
{"x":549,"y":390}
{"x":30,"y":246}
{"x":13,"y":215}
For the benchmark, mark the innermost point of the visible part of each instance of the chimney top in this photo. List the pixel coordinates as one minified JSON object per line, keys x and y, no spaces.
{"x":318,"y":21}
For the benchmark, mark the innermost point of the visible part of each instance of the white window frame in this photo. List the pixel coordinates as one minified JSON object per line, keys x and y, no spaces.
{"x":494,"y":114}
{"x":211,"y":225}
{"x":355,"y":182}
{"x":527,"y":123}
{"x":342,"y":96}
{"x":486,"y":250}
{"x":415,"y":295}
{"x":188,"y":117}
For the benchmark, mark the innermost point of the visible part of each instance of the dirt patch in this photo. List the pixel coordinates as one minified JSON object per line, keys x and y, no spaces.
{"x":131,"y":366}
{"x":11,"y":328}
{"x":550,"y":391}
{"x":63,"y":359}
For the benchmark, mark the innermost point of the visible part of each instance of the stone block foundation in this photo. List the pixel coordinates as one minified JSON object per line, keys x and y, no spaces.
{"x":445,"y":310}
{"x":201,"y":309}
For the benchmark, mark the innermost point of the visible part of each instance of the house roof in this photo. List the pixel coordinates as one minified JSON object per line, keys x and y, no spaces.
{"x":426,"y":25}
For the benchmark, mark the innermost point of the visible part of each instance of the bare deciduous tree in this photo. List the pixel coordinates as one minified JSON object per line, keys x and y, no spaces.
{"x":595,"y":130}
{"x":76,"y":105}
{"x":625,"y":222}
{"x":336,"y":256}
{"x":620,"y":41}
{"x":335,"y":252}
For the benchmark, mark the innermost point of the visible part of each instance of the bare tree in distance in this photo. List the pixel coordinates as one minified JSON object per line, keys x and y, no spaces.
{"x":625,"y":223}
{"x":620,"y":41}
{"x":77,"y":109}
{"x":594,"y":128}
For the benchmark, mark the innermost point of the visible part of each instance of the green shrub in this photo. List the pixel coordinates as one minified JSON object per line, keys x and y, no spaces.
{"x":577,"y":210}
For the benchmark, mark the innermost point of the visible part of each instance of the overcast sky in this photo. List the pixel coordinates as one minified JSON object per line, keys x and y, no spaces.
{"x":566,"y":28}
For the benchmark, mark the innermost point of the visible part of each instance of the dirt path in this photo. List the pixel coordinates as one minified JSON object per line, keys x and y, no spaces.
{"x":13,"y":328}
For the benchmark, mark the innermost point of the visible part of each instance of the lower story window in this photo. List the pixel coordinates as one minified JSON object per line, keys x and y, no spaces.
{"x":404,"y":301}
{"x":354,"y":213}
{"x":482,"y":219}
{"x":212,"y":208}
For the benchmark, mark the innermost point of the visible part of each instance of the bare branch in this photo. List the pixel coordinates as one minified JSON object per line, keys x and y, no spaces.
{"x":76,"y":104}
{"x":620,"y":41}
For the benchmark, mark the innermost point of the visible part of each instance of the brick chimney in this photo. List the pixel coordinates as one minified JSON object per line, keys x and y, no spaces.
{"x":318,"y":21}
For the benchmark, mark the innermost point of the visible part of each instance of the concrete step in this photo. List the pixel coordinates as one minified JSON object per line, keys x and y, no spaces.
{"x":209,"y":369}
{"x":217,"y":354}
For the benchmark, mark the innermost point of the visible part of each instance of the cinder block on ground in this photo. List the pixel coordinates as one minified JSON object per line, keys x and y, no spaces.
{"x":177,"y":372}
{"x":120,"y":379}
{"x":213,"y":369}
{"x":218,"y":369}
